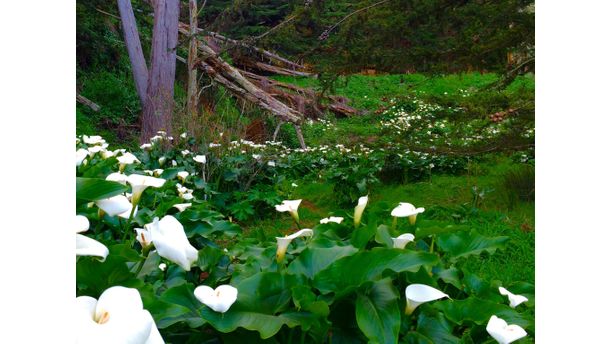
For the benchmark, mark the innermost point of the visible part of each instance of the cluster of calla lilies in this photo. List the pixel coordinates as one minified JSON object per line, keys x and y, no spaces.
{"x":118,"y":315}
{"x":416,"y":294}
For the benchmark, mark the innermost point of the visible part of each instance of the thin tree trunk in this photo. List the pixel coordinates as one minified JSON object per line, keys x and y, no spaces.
{"x":159,"y":103}
{"x":132,"y":42}
{"x":278,"y":126}
{"x":192,"y":86}
{"x":300,"y":136}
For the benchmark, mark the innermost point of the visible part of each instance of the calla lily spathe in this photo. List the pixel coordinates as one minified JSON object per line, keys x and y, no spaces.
{"x":127,"y":159}
{"x":116,"y":317}
{"x":168,"y":237}
{"x":81,"y":154}
{"x":139,"y":183}
{"x":504,"y":333}
{"x":117,"y":177}
{"x":291,"y":207}
{"x":283,"y":242}
{"x":200,"y":158}
{"x":183,"y":175}
{"x":417,"y":294}
{"x":361,"y":204}
{"x":402,"y":240}
{"x":407,"y":210}
{"x":332,"y":219}
{"x":93,"y":140}
{"x":86,"y":246}
{"x":115,"y":205}
{"x":515,"y":300}
{"x":220,"y":299}
{"x":182,"y":206}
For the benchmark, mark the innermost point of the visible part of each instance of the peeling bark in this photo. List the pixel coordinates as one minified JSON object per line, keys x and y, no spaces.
{"x":159,"y":103}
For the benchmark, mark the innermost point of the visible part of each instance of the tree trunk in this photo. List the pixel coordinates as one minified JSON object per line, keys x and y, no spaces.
{"x":192,"y":86}
{"x":159,"y":103}
{"x":132,"y":42}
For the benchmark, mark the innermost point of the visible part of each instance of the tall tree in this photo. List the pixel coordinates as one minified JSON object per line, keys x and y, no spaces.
{"x":132,"y":42}
{"x":159,"y":102}
{"x":192,"y":89}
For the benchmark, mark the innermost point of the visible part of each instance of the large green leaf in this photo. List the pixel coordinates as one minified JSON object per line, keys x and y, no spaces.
{"x":208,"y":257}
{"x":480,"y":311}
{"x":413,"y":337}
{"x":463,"y":244}
{"x":350,"y":272}
{"x":430,"y":227}
{"x":377,"y":312}
{"x":179,"y":304}
{"x":361,"y":236}
{"x":93,"y":189}
{"x":314,"y":259}
{"x":383,"y":236}
{"x":436,"y":328}
{"x":267,"y":292}
{"x":93,"y":276}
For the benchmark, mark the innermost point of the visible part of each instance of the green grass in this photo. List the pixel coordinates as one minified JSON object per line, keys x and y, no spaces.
{"x":368,"y":92}
{"x":515,"y":263}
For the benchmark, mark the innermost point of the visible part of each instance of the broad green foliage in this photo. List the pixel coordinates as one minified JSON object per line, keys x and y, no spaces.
{"x":344,"y":283}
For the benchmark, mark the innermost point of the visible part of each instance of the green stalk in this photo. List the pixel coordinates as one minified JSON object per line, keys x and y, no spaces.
{"x":433,"y":242}
{"x":129,"y":221}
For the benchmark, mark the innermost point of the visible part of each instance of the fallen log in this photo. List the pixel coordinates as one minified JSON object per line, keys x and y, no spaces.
{"x":240,"y":85}
{"x":278,"y":64}
{"x":95,"y":107}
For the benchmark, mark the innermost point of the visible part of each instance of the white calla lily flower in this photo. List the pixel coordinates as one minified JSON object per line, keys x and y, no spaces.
{"x":361,"y":204}
{"x":407,"y":210}
{"x":182,"y":206}
{"x":161,"y":160}
{"x":183,"y":175}
{"x":162,"y":266}
{"x":146,"y":146}
{"x":219,"y":299}
{"x":515,"y":300}
{"x":504,"y":333}
{"x":116,"y":317}
{"x":93,"y":140}
{"x":183,"y":135}
{"x":168,"y":237}
{"x":144,"y":237}
{"x":417,"y":294}
{"x":95,"y":149}
{"x":81,"y":154}
{"x":200,"y":158}
{"x":139,"y":183}
{"x":127,"y":159}
{"x":157,"y":172}
{"x":335,"y":219}
{"x":188,"y":196}
{"x":283,"y":242}
{"x":86,"y":246}
{"x":290,"y":206}
{"x":115,"y":205}
{"x":107,"y":154}
{"x":117,"y":177}
{"x":402,"y":240}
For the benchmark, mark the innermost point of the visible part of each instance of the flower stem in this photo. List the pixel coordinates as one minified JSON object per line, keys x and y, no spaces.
{"x":140,"y":265}
{"x":126,"y":230}
{"x":433,"y":242}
